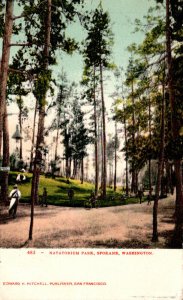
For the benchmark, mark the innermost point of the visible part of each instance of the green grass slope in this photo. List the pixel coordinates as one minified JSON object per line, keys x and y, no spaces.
{"x":57,"y":190}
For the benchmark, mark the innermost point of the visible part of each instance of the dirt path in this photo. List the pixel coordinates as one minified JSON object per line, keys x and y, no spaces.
{"x":128,"y":226}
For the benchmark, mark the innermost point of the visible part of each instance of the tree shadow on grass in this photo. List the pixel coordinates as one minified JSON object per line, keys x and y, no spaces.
{"x":26,"y":244}
{"x":75,"y":188}
{"x":5,"y":218}
{"x":113,"y":243}
{"x":168,"y":219}
{"x":47,"y":240}
{"x":167,"y":235}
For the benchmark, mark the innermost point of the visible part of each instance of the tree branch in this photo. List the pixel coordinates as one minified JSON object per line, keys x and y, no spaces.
{"x":17,"y":71}
{"x":20,"y":45}
{"x":29,"y":73}
{"x":18,"y":17}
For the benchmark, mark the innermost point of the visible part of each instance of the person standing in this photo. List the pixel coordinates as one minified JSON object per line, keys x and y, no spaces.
{"x":14,"y":197}
{"x":140,"y":192}
{"x":44,"y":197}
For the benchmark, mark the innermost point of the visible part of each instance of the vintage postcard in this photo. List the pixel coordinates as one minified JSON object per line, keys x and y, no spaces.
{"x":91,"y":160}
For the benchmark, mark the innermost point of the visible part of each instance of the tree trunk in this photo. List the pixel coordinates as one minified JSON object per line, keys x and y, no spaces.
{"x":87,"y":168}
{"x":150,"y":178}
{"x":162,"y":182}
{"x":33,"y":138}
{"x":74,"y":168}
{"x":5,"y":162}
{"x":82,"y":170}
{"x":177,"y":238}
{"x":136,"y":181}
{"x":168,"y":176}
{"x":56,"y":144}
{"x":133,"y":184}
{"x":150,"y":137}
{"x":102,"y":159}
{"x":178,"y":232}
{"x":3,"y":85}
{"x":127,"y":188}
{"x":57,"y":136}
{"x":33,"y":191}
{"x":20,"y":124}
{"x":96,"y":140}
{"x":40,"y":134}
{"x":70,"y":165}
{"x":160,"y":171}
{"x":66,"y":153}
{"x":115,"y":157}
{"x":103,"y":134}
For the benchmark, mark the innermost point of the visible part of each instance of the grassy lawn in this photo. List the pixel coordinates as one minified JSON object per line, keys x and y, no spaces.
{"x":57,"y":190}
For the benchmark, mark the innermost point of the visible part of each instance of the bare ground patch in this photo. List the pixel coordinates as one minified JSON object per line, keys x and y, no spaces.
{"x":127,"y":226}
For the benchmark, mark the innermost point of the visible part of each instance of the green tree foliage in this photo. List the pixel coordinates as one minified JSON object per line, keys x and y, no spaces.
{"x":97,"y":55}
{"x":99,"y":40}
{"x":79,"y":134}
{"x":2,"y":7}
{"x":75,"y":135}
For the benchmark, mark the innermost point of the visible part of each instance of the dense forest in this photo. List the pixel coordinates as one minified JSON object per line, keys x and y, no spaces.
{"x":147,"y":109}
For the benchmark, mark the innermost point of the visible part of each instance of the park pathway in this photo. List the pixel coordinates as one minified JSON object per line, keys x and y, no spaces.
{"x":127,"y":226}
